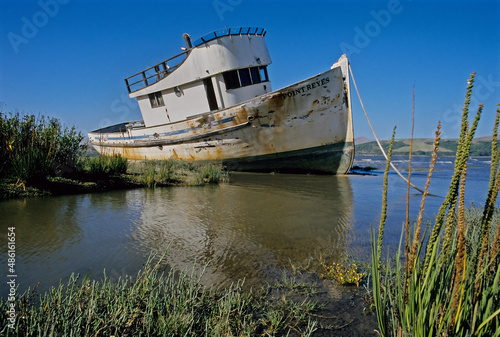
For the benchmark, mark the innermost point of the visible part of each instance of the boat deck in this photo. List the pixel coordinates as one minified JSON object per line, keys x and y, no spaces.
{"x":122,"y":127}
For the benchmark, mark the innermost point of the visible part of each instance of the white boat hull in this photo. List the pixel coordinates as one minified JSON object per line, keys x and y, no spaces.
{"x":305,"y":127}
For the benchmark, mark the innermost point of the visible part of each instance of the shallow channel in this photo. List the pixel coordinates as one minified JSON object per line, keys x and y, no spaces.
{"x":251,"y":227}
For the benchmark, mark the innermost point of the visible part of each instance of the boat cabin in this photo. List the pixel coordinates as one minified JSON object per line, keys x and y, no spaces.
{"x":216,"y":71}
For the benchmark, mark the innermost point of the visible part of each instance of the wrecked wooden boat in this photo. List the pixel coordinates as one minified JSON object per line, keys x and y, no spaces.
{"x":213,"y":102}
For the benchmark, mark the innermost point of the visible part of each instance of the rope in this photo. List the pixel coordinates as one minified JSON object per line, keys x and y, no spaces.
{"x":376,"y":139}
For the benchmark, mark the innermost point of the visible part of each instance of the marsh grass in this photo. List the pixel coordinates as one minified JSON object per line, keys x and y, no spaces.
{"x":32,"y":148}
{"x":36,"y":149}
{"x":292,"y":283}
{"x":155,"y":173}
{"x":104,"y":166}
{"x":156,"y":303}
{"x":212,"y":173}
{"x":445,"y":283}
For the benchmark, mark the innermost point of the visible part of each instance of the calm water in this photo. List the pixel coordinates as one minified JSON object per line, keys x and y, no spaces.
{"x":250,"y":227}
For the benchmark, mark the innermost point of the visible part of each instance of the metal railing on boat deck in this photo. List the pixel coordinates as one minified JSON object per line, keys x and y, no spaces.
{"x":228,"y":32}
{"x":160,"y":70}
{"x":155,"y":73}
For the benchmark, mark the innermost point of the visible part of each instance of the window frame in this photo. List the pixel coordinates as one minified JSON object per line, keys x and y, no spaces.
{"x":231,"y":79}
{"x":156,"y":99}
{"x":250,"y":76}
{"x":255,"y":75}
{"x":263,"y":70}
{"x":245,"y":77}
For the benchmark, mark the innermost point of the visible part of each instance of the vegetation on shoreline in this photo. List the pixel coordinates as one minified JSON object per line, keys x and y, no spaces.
{"x":38,"y":156}
{"x":154,"y":173}
{"x":103,"y":173}
{"x":32,"y":148}
{"x":156,"y":303}
{"x":445,"y":280}
{"x":343,"y":273}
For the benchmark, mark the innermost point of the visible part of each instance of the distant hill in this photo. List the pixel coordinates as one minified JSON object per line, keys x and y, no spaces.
{"x":424,"y":146}
{"x":362,"y":140}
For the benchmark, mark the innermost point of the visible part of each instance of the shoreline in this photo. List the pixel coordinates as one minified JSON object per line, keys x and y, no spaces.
{"x":139,"y":174}
{"x":304,"y":303}
{"x":183,"y":174}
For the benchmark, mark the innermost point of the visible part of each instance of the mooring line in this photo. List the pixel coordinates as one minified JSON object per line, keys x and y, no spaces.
{"x":376,"y":139}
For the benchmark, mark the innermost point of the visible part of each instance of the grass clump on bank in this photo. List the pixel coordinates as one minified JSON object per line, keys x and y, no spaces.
{"x":31,"y":148}
{"x":211,"y":173}
{"x":104,"y":166}
{"x":156,"y":173}
{"x":446,"y":283}
{"x":160,"y":172}
{"x":155,"y":303}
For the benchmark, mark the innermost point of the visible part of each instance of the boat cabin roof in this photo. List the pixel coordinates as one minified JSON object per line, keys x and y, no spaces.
{"x":162,"y":69}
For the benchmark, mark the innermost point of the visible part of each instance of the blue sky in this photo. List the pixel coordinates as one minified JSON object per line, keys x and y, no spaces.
{"x":68,"y":58}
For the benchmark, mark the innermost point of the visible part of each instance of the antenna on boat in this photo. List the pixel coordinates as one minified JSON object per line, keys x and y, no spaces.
{"x":187,"y":39}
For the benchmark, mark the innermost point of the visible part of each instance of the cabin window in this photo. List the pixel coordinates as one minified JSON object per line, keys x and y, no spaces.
{"x":156,"y":99}
{"x":243,"y":77}
{"x":231,"y":79}
{"x":263,"y":74}
{"x":254,"y":71}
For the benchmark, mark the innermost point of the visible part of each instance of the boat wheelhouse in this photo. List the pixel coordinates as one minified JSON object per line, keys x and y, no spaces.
{"x":214,"y":101}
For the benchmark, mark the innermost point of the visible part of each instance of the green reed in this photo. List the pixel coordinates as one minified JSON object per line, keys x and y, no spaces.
{"x":105,"y":166}
{"x":33,"y":147}
{"x":161,"y":172}
{"x":171,"y":172}
{"x":212,"y":173}
{"x":155,"y":303}
{"x":149,"y":174}
{"x":378,"y":298}
{"x":449,"y":283}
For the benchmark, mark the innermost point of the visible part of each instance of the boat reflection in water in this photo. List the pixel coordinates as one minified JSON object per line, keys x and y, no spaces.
{"x":246,"y":228}
{"x":250,"y":226}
